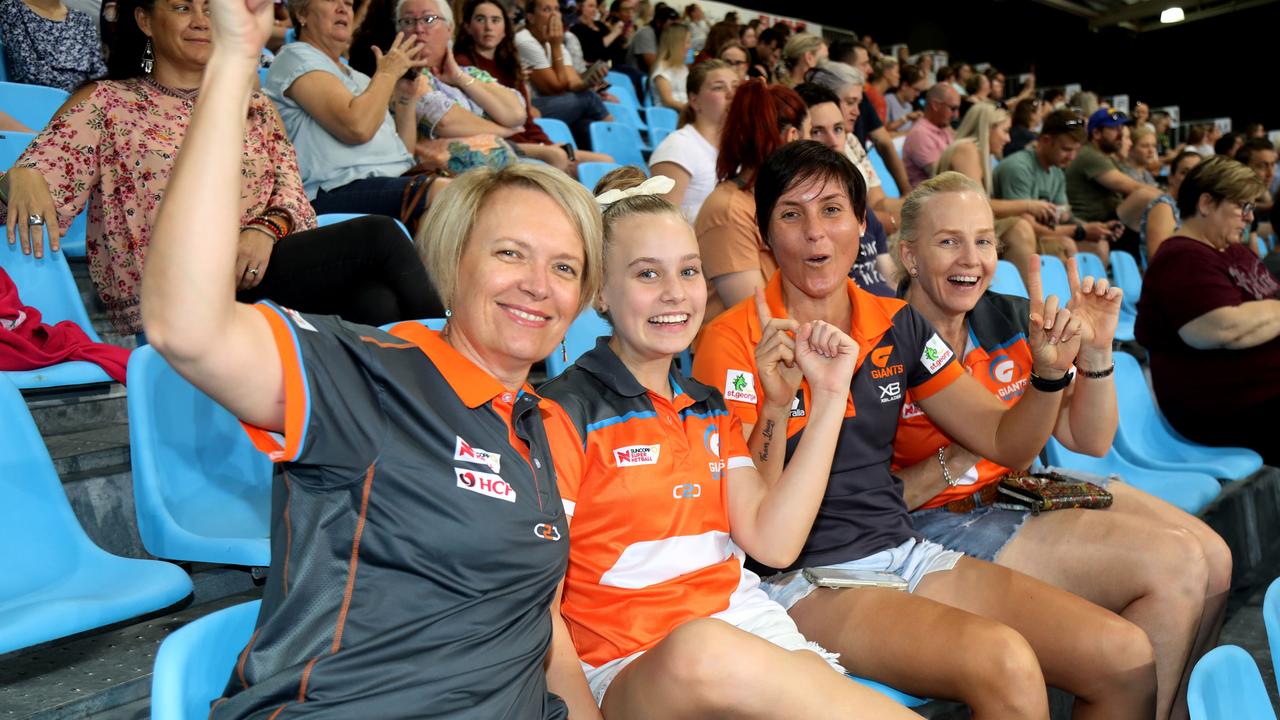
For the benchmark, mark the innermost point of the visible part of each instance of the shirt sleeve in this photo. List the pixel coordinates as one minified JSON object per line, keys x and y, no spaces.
{"x":567,"y":454}
{"x":673,"y":149}
{"x":286,"y":191}
{"x":294,"y":61}
{"x":1095,"y":164}
{"x":1012,"y":181}
{"x":727,"y":236}
{"x":532,"y":56}
{"x":726,"y":361}
{"x":931,"y":363}
{"x":733,"y":443}
{"x":334,"y":420}
{"x":644,"y":42}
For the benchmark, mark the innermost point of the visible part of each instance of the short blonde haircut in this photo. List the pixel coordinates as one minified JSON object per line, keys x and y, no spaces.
{"x":916,"y":202}
{"x":798,"y":45}
{"x":444,"y":236}
{"x":1221,"y":178}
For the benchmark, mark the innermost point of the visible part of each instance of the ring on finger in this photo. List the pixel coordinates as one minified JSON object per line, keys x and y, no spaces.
{"x":253,"y":271}
{"x":35,"y":219}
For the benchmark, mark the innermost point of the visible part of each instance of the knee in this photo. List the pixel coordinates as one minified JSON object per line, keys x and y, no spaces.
{"x":711,"y":662}
{"x":1019,"y":240}
{"x":1218,"y":561}
{"x":1007,"y":670}
{"x":1125,"y":661}
{"x":1182,"y":562}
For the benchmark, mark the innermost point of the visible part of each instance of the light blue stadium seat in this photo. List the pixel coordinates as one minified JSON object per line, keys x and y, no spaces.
{"x":194,"y":664}
{"x":630,"y":116}
{"x":262,"y":77}
{"x":621,"y":142}
{"x":12,"y":146}
{"x":1124,"y":271}
{"x":557,"y":130}
{"x":887,"y":183}
{"x":290,"y":35}
{"x":580,"y":338}
{"x":1271,"y":619}
{"x":1008,"y":280}
{"x":56,"y":581}
{"x":430,"y":323}
{"x":1091,"y":265}
{"x":621,"y":87}
{"x":333,"y":218}
{"x":1146,"y":438}
{"x":1189,"y":491}
{"x":1053,"y":279}
{"x":657,"y":135}
{"x":897,"y":696}
{"x":47,"y":285}
{"x":1226,"y":685}
{"x":661,"y":117}
{"x":589,"y":173}
{"x":201,"y":490}
{"x":4,"y":69}
{"x":31,"y":105}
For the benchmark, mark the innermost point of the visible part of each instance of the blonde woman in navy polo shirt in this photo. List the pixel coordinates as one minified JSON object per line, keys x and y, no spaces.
{"x":419,"y":539}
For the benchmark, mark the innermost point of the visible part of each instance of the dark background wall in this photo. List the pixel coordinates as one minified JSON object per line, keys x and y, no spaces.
{"x":1222,"y":66}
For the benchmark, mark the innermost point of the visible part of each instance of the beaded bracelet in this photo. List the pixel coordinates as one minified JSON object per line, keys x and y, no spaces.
{"x":284,"y":215}
{"x":1097,"y":374}
{"x":259,"y":223}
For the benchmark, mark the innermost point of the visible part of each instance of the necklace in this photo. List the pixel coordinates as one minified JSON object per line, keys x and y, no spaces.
{"x":188,"y":95}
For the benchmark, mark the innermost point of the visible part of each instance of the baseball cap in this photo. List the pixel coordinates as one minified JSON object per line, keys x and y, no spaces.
{"x":1105,"y":117}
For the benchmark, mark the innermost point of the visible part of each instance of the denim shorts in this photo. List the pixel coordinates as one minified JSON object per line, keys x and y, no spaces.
{"x":911,"y":561}
{"x":984,"y":531}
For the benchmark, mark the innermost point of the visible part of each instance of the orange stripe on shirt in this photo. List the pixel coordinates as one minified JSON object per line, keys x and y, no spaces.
{"x":295,"y":399}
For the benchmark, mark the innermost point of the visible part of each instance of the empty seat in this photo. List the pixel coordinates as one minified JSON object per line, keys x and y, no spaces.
{"x":629,"y":116}
{"x":580,"y":338}
{"x":1146,"y":438}
{"x":1226,"y":685}
{"x":31,"y":105}
{"x":1089,"y":264}
{"x":1053,"y":279}
{"x":557,"y":130}
{"x":589,"y":173}
{"x":56,"y":581}
{"x":621,"y":87}
{"x":201,"y":490}
{"x":662,"y":117}
{"x":1189,"y":491}
{"x":1008,"y":280}
{"x":622,"y":142}
{"x":887,"y":183}
{"x":194,"y":664}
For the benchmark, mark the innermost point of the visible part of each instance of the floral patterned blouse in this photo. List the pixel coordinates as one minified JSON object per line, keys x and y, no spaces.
{"x":114,"y":150}
{"x":58,"y":53}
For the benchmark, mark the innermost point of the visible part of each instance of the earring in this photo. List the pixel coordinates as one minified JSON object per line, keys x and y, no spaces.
{"x":148,"y":58}
{"x":564,"y":352}
{"x":448,"y":313}
{"x":914,"y":272}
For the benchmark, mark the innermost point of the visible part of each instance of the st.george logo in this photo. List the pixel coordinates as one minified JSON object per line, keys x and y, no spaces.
{"x":740,"y":385}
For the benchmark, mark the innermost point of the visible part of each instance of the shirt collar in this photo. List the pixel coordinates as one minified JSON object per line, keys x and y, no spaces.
{"x":470,"y":383}
{"x":602,"y":362}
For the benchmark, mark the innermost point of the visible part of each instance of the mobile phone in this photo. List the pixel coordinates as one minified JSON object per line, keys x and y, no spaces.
{"x":842,"y":578}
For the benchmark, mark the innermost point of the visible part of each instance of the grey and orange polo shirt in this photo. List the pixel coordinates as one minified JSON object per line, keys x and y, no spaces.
{"x":417,"y":535}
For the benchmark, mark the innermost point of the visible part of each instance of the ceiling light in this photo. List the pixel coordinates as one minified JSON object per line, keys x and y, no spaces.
{"x":1172,"y":15}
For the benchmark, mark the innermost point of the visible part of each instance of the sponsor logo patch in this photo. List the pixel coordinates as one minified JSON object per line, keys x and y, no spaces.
{"x":464,"y":452}
{"x":636,"y":455}
{"x":740,"y":385}
{"x":298,"y":319}
{"x":910,"y":410}
{"x":485,"y":484}
{"x":797,"y":405}
{"x":686,"y":490}
{"x":936,"y":354}
{"x":547,"y":531}
{"x":890,"y":392}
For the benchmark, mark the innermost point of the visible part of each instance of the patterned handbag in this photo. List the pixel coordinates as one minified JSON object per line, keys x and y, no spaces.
{"x":1043,"y":492}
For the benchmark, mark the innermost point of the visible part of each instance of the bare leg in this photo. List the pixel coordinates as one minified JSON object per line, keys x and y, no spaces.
{"x":1059,"y":246}
{"x":1103,"y":659}
{"x":708,"y":668}
{"x":927,"y":648}
{"x":552,"y":155}
{"x":1018,"y":244}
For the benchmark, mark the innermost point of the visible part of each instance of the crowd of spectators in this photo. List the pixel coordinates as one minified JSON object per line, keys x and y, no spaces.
{"x":768,"y":236}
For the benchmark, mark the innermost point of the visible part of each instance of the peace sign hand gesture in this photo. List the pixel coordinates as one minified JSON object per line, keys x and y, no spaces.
{"x":780,"y":376}
{"x":1097,"y":305}
{"x":1055,"y":333}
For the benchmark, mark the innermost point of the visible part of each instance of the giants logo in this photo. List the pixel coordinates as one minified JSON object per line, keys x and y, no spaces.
{"x":711,"y":441}
{"x":882,"y":369}
{"x":464,"y":452}
{"x":1003,"y":369}
{"x":636,"y":455}
{"x":547,"y":531}
{"x":485,"y":484}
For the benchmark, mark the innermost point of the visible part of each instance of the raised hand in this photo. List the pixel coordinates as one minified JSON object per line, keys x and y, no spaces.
{"x":241,"y":27}
{"x":827,"y":356}
{"x":402,"y":55}
{"x":1097,"y":305}
{"x":776,"y":366}
{"x":1055,"y":334}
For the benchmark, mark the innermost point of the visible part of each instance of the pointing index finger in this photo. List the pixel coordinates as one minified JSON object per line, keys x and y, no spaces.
{"x":1073,"y":275}
{"x":762,"y":308}
{"x":1035,"y":290}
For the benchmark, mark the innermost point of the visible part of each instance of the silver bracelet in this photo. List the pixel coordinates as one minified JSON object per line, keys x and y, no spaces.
{"x":946,"y":474}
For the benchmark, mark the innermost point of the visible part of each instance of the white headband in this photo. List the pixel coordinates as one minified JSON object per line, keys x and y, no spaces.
{"x":656,"y":185}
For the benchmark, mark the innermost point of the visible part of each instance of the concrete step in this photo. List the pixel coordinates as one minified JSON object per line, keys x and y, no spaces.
{"x":74,"y":409}
{"x":83,"y":451}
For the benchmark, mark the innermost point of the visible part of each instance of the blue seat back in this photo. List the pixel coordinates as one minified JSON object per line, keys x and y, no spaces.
{"x":194,"y":663}
{"x":1190,"y":492}
{"x":620,"y":141}
{"x":1124,"y":270}
{"x":1271,"y":619}
{"x":43,"y":537}
{"x":661,"y":117}
{"x":657,"y":135}
{"x":1008,"y":280}
{"x":1090,"y":265}
{"x":4,"y":69}
{"x":202,"y":491}
{"x":557,"y":130}
{"x":621,"y":87}
{"x":1226,"y":685}
{"x":1053,"y":278}
{"x":887,"y":183}
{"x":31,"y":105}
{"x":589,"y":173}
{"x":429,"y":323}
{"x":334,"y":218}
{"x":626,"y":115}
{"x":580,"y":338}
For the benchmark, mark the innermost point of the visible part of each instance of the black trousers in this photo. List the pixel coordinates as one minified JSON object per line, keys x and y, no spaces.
{"x":364,"y":270}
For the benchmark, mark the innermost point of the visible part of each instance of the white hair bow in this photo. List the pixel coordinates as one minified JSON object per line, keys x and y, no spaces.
{"x":656,"y":185}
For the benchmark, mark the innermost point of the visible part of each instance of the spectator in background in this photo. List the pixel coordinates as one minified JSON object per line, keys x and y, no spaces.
{"x":699,"y":25}
{"x":735,"y":56}
{"x":688,"y":155}
{"x":1210,"y":311}
{"x":378,"y":29}
{"x":1098,"y":189}
{"x":1259,"y":155}
{"x":721,"y":34}
{"x":1054,"y":99}
{"x":558,"y":90}
{"x":802,"y":53}
{"x":1142,"y":116}
{"x":1025,"y":120}
{"x":873,"y":268}
{"x":869,"y":126}
{"x":1141,"y":156}
{"x":1228,"y":144}
{"x":1182,"y":164}
{"x":643,"y":48}
{"x":1084,"y":101}
{"x":1198,"y":140}
{"x":48,"y":43}
{"x":749,"y":34}
{"x":977,"y":90}
{"x":735,"y":260}
{"x":932,"y":133}
{"x":884,"y":77}
{"x":670,"y":74}
{"x":600,"y":40}
{"x":767,"y":53}
{"x":901,"y":103}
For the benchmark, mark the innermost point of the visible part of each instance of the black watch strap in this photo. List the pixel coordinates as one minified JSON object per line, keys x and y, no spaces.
{"x":1080,"y":233}
{"x":570,"y":151}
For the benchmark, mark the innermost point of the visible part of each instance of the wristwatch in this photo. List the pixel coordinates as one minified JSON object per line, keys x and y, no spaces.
{"x":1080,"y":233}
{"x":570,"y":151}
